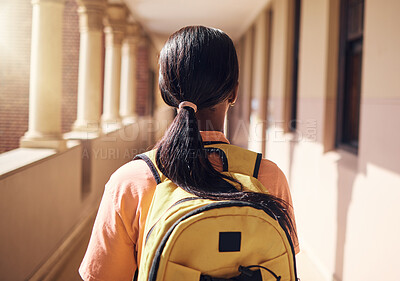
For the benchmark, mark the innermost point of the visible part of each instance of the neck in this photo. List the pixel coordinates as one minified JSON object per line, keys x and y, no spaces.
{"x":213,"y":118}
{"x":210,"y":122}
{"x":206,"y":125}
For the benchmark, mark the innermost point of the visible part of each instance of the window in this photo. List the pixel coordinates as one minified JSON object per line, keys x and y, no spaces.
{"x":349,"y":84}
{"x":296,"y":35}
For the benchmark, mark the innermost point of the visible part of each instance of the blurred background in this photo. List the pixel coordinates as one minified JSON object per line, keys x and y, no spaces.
{"x":319,"y":95}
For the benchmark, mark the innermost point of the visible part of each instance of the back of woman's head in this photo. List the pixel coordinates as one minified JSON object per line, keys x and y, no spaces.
{"x":199,"y":65}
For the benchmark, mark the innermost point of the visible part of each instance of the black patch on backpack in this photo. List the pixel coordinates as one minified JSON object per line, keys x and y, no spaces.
{"x":230,"y":241}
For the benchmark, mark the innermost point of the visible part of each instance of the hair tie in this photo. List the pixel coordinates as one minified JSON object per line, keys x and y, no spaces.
{"x":189,"y":104}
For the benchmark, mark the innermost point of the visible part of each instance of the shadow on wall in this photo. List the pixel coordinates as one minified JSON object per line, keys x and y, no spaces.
{"x":292,"y":146}
{"x":346,"y":175}
{"x":347,"y":169}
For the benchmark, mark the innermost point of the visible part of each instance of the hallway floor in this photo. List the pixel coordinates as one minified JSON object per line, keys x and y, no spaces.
{"x":70,"y":271}
{"x":306,"y":270}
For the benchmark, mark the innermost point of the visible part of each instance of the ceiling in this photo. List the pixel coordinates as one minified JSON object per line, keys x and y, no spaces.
{"x":160,"y":18}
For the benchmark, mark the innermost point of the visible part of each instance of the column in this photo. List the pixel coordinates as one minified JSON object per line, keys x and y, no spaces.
{"x":258,"y":115}
{"x":128,"y":74}
{"x":114,"y":31}
{"x":239,"y":132}
{"x":45,"y":86}
{"x":91,"y":13}
{"x":246,"y":71}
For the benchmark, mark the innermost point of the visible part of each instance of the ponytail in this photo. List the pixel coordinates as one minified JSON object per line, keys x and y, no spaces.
{"x":182,"y":158}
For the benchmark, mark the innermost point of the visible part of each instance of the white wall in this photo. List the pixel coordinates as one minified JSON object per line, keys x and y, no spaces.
{"x":39,"y":205}
{"x":42,"y":204}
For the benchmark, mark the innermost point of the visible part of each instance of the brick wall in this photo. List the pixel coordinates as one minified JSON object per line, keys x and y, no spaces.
{"x":15,"y":45}
{"x":70,"y":64}
{"x":143,"y":83}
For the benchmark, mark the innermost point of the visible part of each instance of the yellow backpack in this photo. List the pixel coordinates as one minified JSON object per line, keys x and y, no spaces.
{"x":192,"y":239}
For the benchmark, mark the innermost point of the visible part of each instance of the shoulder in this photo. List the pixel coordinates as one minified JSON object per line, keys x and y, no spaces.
{"x":132,"y":180}
{"x":273,"y":178}
{"x":132,"y":171}
{"x":269,"y":168}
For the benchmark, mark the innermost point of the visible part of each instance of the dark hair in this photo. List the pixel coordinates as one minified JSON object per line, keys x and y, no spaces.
{"x":200,"y":65}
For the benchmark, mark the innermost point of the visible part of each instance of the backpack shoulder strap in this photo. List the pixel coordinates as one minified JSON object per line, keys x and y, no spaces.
{"x":150,"y":158}
{"x":236,"y":159}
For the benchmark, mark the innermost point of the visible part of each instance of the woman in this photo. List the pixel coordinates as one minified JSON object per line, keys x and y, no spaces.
{"x":198,"y":76}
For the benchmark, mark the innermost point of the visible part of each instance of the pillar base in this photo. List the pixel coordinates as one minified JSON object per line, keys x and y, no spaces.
{"x":110,"y":125}
{"x":86,"y":126}
{"x":126,"y":120}
{"x":58,"y":144}
{"x":81,"y":135}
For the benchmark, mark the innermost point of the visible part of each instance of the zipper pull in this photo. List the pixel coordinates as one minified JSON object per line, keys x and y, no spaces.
{"x":245,"y":271}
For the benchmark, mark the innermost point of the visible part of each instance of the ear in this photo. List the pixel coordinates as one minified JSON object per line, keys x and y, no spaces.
{"x":234,"y":95}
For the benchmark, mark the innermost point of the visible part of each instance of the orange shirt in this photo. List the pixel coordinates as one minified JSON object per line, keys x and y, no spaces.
{"x":118,"y":229}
